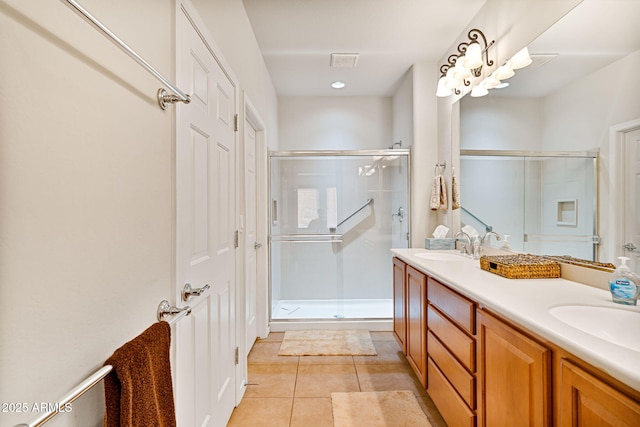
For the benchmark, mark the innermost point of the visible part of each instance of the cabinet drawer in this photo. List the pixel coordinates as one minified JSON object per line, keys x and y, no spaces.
{"x":462,"y":381}
{"x":459,"y":344}
{"x":459,"y":309}
{"x":452,"y":408}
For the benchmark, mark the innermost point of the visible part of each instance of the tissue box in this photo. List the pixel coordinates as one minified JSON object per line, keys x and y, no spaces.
{"x":440,"y":244}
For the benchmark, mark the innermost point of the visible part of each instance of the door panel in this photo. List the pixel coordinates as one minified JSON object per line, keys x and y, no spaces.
{"x":251,"y":238}
{"x":632,"y":201}
{"x":205,"y":208}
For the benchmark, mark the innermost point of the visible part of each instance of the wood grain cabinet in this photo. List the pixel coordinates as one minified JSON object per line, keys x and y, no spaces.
{"x":399,"y":303}
{"x":586,"y":401}
{"x":514,"y":376}
{"x":451,"y":361}
{"x":483,"y":370}
{"x":417,"y":322}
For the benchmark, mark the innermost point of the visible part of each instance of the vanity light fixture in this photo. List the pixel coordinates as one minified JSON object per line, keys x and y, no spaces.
{"x":338,"y":85}
{"x":464,"y":65}
{"x":452,"y":79}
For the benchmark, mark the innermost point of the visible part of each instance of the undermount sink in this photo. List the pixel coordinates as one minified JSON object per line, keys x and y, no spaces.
{"x":439,"y":256}
{"x":617,"y":326}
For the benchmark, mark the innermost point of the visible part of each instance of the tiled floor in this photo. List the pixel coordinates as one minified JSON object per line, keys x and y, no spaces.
{"x":295,"y":391}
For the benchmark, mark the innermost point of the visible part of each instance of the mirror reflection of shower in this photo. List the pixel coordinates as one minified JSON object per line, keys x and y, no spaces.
{"x":337,"y":219}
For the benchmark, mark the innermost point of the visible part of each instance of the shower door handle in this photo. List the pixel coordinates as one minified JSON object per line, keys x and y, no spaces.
{"x":399,"y":214}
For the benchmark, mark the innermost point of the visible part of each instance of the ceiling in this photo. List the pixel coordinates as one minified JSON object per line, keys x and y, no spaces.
{"x":297,"y":38}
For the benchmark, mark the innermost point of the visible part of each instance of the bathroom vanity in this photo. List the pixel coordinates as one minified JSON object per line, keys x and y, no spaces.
{"x":494,"y":352}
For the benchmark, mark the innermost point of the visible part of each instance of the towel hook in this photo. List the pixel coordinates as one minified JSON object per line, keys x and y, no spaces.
{"x":440,"y":167}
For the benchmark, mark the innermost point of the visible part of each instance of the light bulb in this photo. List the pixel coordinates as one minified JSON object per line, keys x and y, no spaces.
{"x":473,"y":56}
{"x":442,"y":89}
{"x":504,"y":72}
{"x":490,"y":82}
{"x":479,"y":91}
{"x":521,"y":59}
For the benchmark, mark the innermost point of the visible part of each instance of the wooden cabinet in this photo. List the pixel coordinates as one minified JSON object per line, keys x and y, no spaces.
{"x":451,"y":354}
{"x":586,"y":401}
{"x":399,"y":303}
{"x":417,"y":322}
{"x":514,"y":376}
{"x":481,"y":369}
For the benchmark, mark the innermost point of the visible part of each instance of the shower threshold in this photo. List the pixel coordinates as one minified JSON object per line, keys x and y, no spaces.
{"x":332,"y":309}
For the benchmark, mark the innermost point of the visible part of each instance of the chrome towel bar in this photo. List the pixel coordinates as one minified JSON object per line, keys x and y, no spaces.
{"x":164,"y":310}
{"x":164,"y":97}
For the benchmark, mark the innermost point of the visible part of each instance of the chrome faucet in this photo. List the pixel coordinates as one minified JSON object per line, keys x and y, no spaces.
{"x":498,"y":238}
{"x":466,"y":249}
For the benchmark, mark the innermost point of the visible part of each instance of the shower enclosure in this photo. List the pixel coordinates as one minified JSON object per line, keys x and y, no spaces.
{"x":334,"y":217}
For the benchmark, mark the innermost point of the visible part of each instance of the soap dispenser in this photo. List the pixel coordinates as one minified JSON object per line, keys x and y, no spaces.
{"x":624,"y":285}
{"x":506,"y":245}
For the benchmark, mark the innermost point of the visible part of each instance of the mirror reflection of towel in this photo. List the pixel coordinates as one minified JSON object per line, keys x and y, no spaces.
{"x":455,"y":193}
{"x":138,"y":391}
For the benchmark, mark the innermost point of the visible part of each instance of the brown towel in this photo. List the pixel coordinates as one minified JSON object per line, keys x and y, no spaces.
{"x":138,"y":391}
{"x":455,"y":193}
{"x":443,"y":193}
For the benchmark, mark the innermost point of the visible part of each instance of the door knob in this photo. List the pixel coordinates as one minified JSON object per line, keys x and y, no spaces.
{"x":188,"y":292}
{"x":630,"y":247}
{"x":257,"y":245}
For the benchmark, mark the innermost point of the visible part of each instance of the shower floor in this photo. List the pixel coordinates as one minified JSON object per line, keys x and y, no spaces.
{"x":334,"y":309}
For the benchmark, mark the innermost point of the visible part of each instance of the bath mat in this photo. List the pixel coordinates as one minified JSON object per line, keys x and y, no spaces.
{"x":377,"y":409}
{"x":327,"y":343}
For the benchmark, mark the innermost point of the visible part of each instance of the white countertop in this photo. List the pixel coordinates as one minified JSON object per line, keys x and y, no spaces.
{"x":526,"y":302}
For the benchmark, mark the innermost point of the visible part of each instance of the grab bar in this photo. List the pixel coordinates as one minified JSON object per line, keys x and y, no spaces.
{"x":307,"y":238}
{"x":163,"y":97}
{"x":367,"y":203}
{"x":486,"y":226}
{"x":164,"y":310}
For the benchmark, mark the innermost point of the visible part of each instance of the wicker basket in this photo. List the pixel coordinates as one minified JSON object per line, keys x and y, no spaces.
{"x":520,"y":266}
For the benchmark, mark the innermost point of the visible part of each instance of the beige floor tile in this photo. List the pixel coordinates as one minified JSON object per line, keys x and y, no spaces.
{"x":326,"y":360}
{"x":388,"y":352}
{"x":382,"y":336}
{"x":385,"y":377}
{"x":267,"y":353}
{"x":312,"y":412}
{"x":322,"y":380}
{"x":262,"y":412}
{"x":277,"y":380}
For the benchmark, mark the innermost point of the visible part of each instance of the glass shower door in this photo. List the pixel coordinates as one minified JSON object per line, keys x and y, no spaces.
{"x":334,"y":217}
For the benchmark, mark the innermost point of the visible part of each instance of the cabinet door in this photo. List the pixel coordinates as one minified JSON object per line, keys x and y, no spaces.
{"x":513,"y":376}
{"x":585,"y":401}
{"x":417,"y":323}
{"x":399,"y":304}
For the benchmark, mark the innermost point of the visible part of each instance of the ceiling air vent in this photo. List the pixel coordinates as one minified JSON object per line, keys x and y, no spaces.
{"x":344,"y":60}
{"x":539,"y":59}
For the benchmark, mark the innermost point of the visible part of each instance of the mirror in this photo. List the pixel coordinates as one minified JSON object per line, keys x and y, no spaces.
{"x":582,"y":81}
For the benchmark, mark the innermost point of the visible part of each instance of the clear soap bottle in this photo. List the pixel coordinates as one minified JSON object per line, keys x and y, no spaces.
{"x":624,"y":285}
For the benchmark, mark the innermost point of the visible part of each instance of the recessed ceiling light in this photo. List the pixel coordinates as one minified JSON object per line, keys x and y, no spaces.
{"x":338,"y":85}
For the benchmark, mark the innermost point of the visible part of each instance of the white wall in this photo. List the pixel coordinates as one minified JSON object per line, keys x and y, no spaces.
{"x":86,"y":179}
{"x":335,"y":123}
{"x":86,"y":194}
